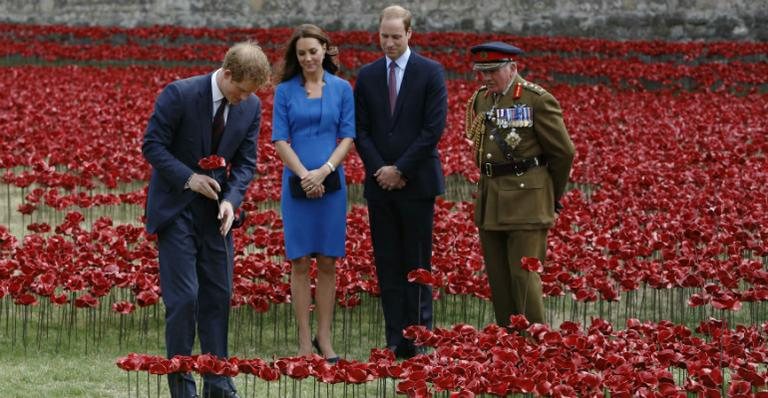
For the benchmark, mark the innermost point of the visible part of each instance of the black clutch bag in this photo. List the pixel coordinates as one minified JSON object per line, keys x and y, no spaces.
{"x":331,"y":183}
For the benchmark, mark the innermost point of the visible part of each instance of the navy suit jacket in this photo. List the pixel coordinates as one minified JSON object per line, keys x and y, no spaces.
{"x":179,"y":135}
{"x":408,"y":138}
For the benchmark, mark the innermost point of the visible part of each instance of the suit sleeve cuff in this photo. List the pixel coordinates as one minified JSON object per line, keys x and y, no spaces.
{"x":189,"y":179}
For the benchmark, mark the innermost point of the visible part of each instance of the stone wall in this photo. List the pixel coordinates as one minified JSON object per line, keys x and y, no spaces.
{"x":614,"y":19}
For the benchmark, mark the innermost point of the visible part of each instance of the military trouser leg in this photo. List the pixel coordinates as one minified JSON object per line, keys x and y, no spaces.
{"x":514,"y":290}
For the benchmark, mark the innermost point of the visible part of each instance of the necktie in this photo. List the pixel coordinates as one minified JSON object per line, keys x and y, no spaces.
{"x":392,"y":81}
{"x":218,"y":126}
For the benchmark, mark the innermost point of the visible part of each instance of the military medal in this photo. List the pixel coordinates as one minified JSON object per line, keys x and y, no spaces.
{"x":505,"y":119}
{"x":528,"y":116}
{"x":512,"y":138}
{"x":522,"y":116}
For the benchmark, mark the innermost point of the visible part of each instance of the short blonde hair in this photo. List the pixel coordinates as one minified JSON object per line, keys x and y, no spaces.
{"x":247,"y":62}
{"x":397,"y":12}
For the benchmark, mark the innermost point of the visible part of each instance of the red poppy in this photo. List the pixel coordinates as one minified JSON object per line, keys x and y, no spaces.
{"x":259,"y":304}
{"x":59,"y":299}
{"x":123,"y":307}
{"x":357,"y":373}
{"x":422,"y":276}
{"x":212,"y":162}
{"x":130,"y":362}
{"x":381,"y":355}
{"x":146,"y":298}
{"x":159,"y":366}
{"x":27,"y":208}
{"x":268,"y":373}
{"x":207,"y":364}
{"x":86,"y":301}
{"x":25,"y":299}
{"x":297,"y":368}
{"x":518,"y":322}
{"x":531,"y":264}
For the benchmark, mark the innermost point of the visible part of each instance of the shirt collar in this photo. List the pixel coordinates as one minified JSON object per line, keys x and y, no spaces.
{"x":402,"y":61}
{"x":217,"y":94}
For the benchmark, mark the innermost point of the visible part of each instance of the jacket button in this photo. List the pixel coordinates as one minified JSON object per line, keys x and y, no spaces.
{"x":490,"y":136}
{"x":522,"y":185}
{"x":488,"y":155}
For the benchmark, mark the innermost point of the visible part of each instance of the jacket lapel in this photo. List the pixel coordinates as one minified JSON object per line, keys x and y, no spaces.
{"x":380,"y":69}
{"x":404,"y":86}
{"x":205,"y":112}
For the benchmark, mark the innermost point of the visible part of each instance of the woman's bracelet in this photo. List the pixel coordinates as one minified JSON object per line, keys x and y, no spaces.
{"x":330,"y":166}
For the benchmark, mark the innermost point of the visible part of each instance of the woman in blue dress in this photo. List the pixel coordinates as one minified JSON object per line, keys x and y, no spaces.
{"x":313,"y":126}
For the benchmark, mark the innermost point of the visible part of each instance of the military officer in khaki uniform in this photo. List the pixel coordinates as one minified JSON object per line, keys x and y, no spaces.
{"x":525,"y":156}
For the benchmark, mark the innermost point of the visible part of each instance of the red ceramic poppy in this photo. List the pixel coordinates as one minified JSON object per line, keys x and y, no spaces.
{"x":212,"y":162}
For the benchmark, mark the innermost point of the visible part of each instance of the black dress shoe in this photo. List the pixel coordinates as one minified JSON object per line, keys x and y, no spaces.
{"x":330,"y":360}
{"x":211,"y":391}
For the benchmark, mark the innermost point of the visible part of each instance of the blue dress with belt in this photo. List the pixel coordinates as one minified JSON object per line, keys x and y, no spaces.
{"x":312,"y":127}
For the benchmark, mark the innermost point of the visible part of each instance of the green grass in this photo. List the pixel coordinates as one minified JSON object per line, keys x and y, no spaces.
{"x":54,"y":357}
{"x":45,"y":374}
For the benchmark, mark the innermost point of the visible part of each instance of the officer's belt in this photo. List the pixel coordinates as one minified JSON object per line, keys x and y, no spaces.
{"x":518,"y":167}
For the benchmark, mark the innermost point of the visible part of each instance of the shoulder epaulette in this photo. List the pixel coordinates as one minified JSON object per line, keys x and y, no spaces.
{"x":533,"y":87}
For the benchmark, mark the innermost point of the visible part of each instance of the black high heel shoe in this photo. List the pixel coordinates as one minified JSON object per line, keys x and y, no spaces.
{"x":315,"y":344}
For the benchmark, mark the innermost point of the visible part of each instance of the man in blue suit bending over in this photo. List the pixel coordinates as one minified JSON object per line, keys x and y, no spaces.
{"x":400,"y":107}
{"x":192,"y":210}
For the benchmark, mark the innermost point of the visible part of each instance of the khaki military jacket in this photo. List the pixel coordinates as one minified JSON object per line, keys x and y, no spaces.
{"x":526,"y":201}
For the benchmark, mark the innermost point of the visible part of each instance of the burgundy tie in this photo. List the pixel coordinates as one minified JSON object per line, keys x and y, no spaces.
{"x":392,"y":81}
{"x":218,"y":126}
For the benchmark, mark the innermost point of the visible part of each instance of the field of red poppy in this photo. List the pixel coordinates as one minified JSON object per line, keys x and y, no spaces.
{"x":656,"y":280}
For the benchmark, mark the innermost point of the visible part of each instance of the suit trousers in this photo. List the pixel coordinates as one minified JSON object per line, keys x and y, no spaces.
{"x":196,"y":283}
{"x":401,"y":231}
{"x":514,"y":290}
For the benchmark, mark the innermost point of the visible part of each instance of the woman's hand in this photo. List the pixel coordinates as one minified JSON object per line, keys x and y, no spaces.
{"x":314,"y":178}
{"x":316,"y":193}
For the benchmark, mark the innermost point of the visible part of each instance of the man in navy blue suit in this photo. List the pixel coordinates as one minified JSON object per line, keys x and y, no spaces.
{"x":400,"y":107}
{"x":192,"y":210}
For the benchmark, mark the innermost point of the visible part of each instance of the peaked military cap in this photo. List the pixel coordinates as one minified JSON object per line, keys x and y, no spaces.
{"x":492,"y":55}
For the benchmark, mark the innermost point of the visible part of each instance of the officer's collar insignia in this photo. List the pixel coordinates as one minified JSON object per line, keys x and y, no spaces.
{"x":518,"y":91}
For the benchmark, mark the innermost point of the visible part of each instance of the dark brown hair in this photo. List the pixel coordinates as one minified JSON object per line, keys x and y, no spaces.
{"x":291,"y":67}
